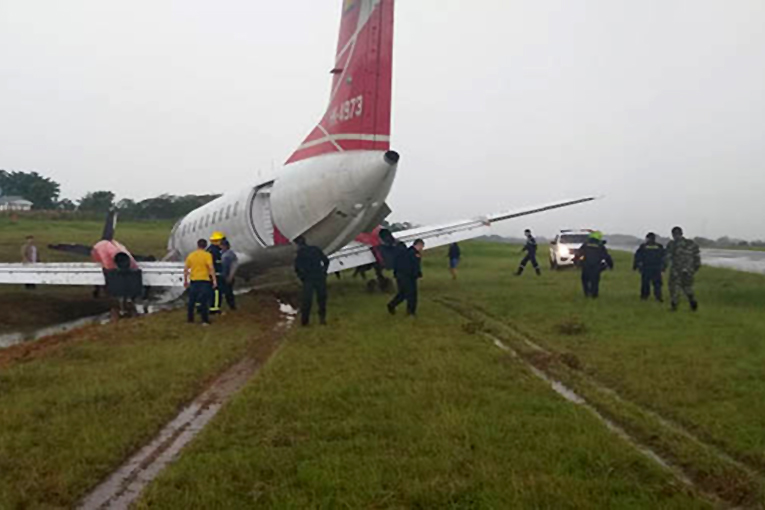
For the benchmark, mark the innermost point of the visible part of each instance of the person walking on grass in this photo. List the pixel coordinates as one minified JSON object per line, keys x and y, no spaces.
{"x":229,"y":264}
{"x":199,"y":277}
{"x":454,"y":259}
{"x":29,"y":255}
{"x":684,"y":258}
{"x":531,"y":254}
{"x":407,"y":269}
{"x":649,"y":260}
{"x":311,"y":265}
{"x":593,"y":258}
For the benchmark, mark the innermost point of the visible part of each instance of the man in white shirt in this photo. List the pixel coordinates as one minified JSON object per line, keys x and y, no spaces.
{"x":29,"y":255}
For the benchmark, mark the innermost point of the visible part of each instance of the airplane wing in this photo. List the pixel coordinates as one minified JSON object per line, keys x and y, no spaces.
{"x":155,"y":274}
{"x":358,"y":254}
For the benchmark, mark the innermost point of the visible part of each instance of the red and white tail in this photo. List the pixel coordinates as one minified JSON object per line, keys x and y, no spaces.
{"x":358,"y":116}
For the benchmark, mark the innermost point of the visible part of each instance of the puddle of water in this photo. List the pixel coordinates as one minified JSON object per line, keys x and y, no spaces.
{"x":167,"y":302}
{"x":11,"y":339}
{"x":126,"y":484}
{"x":749,"y":261}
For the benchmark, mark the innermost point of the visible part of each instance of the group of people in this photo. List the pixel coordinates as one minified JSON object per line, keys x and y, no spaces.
{"x":682,"y":256}
{"x":312,"y":265}
{"x":209,"y":276}
{"x":210,"y":271}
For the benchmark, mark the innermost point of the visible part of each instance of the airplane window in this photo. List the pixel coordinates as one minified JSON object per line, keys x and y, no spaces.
{"x":207,"y":221}
{"x":220,"y":214}
{"x":228,"y":211}
{"x":236,"y":208}
{"x":214,"y":217}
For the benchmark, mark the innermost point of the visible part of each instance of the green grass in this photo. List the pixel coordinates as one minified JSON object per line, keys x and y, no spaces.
{"x":381,"y":412}
{"x":72,"y":408}
{"x":704,"y":370}
{"x":24,"y":310}
{"x":375,"y":411}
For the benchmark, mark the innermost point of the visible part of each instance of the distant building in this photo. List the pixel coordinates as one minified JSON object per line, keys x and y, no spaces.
{"x":15,"y":204}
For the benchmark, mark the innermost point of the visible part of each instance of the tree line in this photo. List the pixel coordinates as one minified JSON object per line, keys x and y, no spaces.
{"x":45,"y":193}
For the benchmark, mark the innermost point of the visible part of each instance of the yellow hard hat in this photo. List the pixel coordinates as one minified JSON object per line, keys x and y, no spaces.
{"x":217,"y":236}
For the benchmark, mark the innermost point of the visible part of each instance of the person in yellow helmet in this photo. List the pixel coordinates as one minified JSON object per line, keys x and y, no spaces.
{"x":217,"y":254}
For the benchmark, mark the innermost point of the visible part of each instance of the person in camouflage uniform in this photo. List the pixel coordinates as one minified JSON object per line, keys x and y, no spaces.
{"x":684,"y":258}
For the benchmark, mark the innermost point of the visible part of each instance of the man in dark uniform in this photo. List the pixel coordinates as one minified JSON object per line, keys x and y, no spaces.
{"x":649,"y":260}
{"x":229,"y":265}
{"x":311,"y":266}
{"x":593,"y":258}
{"x":407,"y":269}
{"x":455,"y":254}
{"x":531,"y":254}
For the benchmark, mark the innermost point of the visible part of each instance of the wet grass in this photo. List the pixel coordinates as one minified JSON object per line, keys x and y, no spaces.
{"x":73,"y":407}
{"x":387,"y":412}
{"x":25,"y":310}
{"x":704,"y":370}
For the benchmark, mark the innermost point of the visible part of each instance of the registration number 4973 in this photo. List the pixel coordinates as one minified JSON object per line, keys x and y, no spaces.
{"x":347,"y":110}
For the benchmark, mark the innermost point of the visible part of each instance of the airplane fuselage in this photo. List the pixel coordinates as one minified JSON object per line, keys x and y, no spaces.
{"x":329,"y":199}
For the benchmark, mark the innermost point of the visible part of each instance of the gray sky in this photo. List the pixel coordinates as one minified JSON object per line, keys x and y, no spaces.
{"x":657,"y":104}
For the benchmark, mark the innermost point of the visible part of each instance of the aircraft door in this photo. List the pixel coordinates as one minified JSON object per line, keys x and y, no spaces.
{"x":261,"y":216}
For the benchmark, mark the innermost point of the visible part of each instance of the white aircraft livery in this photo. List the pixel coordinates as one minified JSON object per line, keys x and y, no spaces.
{"x":332,"y":190}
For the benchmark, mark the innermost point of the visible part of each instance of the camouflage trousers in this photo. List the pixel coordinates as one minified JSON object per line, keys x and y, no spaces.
{"x":681,"y":281}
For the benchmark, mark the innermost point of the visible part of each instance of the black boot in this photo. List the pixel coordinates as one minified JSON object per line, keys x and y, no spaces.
{"x":539,"y":272}
{"x":694,"y":305}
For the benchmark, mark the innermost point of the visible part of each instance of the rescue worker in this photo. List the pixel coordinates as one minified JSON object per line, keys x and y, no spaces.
{"x":199,"y":277}
{"x":311,"y":267}
{"x":407,"y":269}
{"x":531,"y":254}
{"x":229,"y":264}
{"x":649,"y":260}
{"x":593,"y":258}
{"x":454,"y":259}
{"x":684,"y":258}
{"x":214,"y":248}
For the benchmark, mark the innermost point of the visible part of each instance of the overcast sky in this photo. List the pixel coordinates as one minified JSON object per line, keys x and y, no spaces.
{"x":657,"y":104}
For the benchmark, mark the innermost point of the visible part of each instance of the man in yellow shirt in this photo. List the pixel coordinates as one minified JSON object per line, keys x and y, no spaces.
{"x":199,"y":278}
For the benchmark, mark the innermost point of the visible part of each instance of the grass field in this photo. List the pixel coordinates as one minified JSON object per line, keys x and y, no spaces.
{"x":377,"y":411}
{"x":73,"y":407}
{"x":23,"y":310}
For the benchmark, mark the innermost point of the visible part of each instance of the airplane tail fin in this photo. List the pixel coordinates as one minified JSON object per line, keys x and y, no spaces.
{"x":359,"y":111}
{"x":110,"y":226}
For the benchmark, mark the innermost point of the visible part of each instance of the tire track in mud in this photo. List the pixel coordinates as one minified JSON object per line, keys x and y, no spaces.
{"x":125,"y":485}
{"x":710,"y":471}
